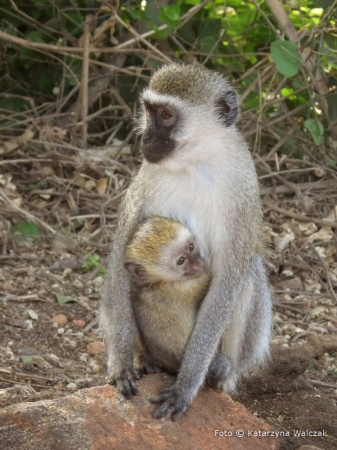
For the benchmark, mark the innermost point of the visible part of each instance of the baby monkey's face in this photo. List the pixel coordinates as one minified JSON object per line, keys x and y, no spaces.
{"x":163,"y":251}
{"x":181,"y":259}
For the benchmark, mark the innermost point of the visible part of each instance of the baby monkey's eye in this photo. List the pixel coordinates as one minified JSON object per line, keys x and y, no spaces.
{"x":165,"y":115}
{"x":191,"y":247}
{"x":181,"y":261}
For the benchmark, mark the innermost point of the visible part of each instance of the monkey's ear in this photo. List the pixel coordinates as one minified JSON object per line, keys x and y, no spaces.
{"x":228,"y":108}
{"x":137,"y":273}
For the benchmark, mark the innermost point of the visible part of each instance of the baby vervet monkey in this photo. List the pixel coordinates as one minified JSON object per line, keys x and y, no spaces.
{"x":198,"y":170}
{"x":170,"y":281}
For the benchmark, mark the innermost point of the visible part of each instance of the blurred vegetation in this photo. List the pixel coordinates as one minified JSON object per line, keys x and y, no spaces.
{"x":41,"y":77}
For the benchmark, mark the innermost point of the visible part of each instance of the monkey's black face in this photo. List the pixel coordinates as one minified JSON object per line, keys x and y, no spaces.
{"x":157,"y":142}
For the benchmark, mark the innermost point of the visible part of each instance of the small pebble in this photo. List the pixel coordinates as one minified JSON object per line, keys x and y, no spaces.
{"x":60,"y":319}
{"x":96,"y":347}
{"x":84,"y":357}
{"x":79,"y":323}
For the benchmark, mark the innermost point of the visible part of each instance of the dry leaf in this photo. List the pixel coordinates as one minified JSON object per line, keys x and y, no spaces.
{"x":324,"y":234}
{"x":17,"y":202}
{"x":321,"y":251}
{"x":46,"y":170}
{"x":46,"y":193}
{"x":105,"y":32}
{"x":71,"y":202}
{"x":90,"y":185}
{"x":320,"y":172}
{"x":102,"y":185}
{"x":282,"y":242}
{"x":332,"y":216}
{"x":11,"y":144}
{"x":307,"y":228}
{"x":318,"y":311}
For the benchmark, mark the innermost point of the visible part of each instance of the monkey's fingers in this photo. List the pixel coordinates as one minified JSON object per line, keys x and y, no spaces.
{"x":162,"y":397}
{"x":174,"y":404}
{"x":151,"y":368}
{"x":126,"y":383}
{"x":127,"y":387}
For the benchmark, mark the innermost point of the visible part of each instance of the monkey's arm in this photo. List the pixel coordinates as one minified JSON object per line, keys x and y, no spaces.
{"x":116,"y":321}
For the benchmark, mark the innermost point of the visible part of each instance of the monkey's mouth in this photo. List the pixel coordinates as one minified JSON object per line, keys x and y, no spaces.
{"x":156,"y":152}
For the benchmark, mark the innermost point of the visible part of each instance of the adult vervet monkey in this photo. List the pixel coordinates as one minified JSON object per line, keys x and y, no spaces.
{"x":197,"y":170}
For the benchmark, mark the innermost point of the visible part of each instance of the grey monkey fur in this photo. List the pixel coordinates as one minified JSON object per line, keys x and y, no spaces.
{"x":205,"y":178}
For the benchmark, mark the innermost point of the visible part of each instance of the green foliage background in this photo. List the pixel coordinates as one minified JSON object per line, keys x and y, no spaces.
{"x":241,"y":39}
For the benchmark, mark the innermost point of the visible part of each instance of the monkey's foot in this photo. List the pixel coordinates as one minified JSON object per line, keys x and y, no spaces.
{"x":150,"y":368}
{"x":125,"y":382}
{"x":175,"y":404}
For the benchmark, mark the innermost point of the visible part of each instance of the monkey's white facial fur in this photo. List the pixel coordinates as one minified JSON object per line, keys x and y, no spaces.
{"x":176,"y":116}
{"x":180,"y":260}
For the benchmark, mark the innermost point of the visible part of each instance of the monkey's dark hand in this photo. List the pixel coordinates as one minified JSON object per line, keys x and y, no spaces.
{"x":125,"y":382}
{"x":175,"y":403}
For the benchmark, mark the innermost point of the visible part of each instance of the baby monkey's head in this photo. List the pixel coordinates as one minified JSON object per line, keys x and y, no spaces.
{"x":162,"y":250}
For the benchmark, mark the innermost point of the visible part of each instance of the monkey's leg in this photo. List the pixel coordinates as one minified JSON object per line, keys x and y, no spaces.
{"x":250,"y":348}
{"x":256,"y":340}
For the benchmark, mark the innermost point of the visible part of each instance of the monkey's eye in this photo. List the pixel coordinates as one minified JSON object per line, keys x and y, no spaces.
{"x":191,"y":247}
{"x":165,"y":115}
{"x":181,"y":261}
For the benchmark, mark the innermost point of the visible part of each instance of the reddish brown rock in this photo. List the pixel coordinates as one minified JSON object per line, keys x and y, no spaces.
{"x":60,"y":319}
{"x":79,"y":323}
{"x":100,"y":419}
{"x":96,"y":347}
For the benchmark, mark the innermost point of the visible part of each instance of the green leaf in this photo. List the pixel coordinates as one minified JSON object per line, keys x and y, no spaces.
{"x":45,"y":83}
{"x":14,"y":104}
{"x":252,"y":101}
{"x":28,"y":57}
{"x":159,"y":34}
{"x":322,"y":3}
{"x":27,"y":360}
{"x":32,"y":314}
{"x":102,"y":272}
{"x":172,"y":12}
{"x":136,"y":13}
{"x":62,"y":299}
{"x":316,"y":129}
{"x":35,"y":36}
{"x":92,"y":262}
{"x":151,"y":13}
{"x":208,"y":44}
{"x":332,"y":104}
{"x":170,"y":15}
{"x":28,"y":229}
{"x":286,"y":57}
{"x":187,"y":32}
{"x":211,"y":27}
